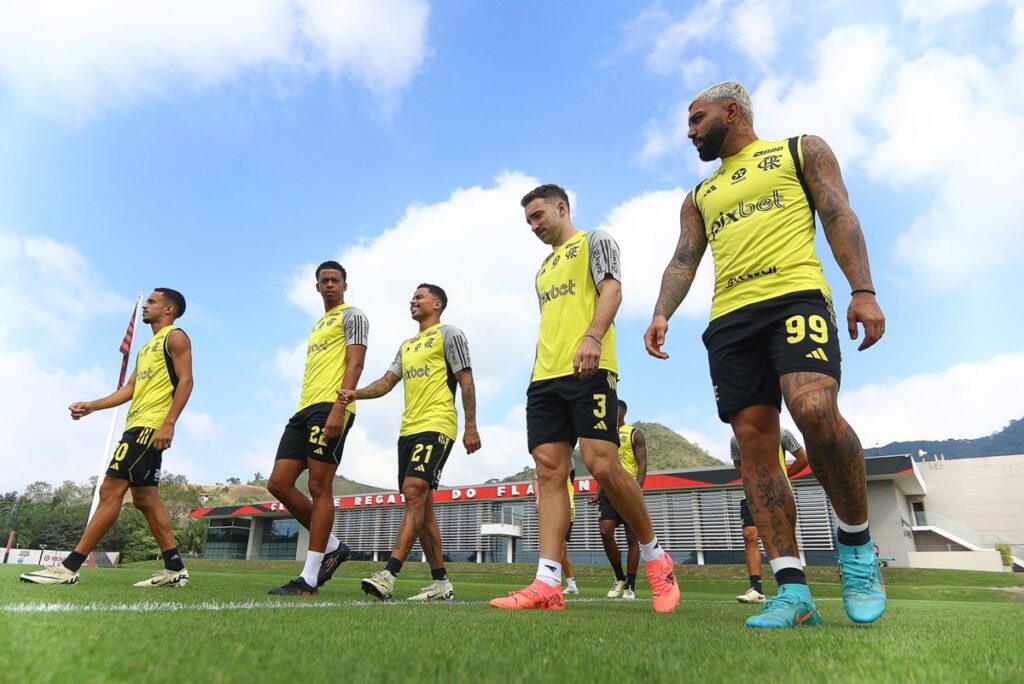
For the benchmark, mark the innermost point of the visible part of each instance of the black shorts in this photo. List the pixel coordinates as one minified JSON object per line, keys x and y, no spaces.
{"x":745,"y":517}
{"x":136,"y":459}
{"x":304,"y":438}
{"x":423,"y":455}
{"x":568,"y":532}
{"x":564,"y":409}
{"x":606,"y":511}
{"x":748,"y":349}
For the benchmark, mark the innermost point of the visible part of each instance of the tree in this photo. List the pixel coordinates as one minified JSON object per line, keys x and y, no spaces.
{"x":234,"y":481}
{"x":38,"y":492}
{"x":258,"y":479}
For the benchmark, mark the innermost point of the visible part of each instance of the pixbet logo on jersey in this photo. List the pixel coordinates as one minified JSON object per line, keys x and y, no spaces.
{"x":556,"y":291}
{"x":411,"y":373}
{"x":744,"y":210}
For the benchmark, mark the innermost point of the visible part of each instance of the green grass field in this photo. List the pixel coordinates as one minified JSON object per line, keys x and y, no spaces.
{"x":941,"y":626}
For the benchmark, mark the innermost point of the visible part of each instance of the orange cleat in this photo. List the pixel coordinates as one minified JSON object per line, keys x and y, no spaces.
{"x":664,"y":588}
{"x":536,"y":596}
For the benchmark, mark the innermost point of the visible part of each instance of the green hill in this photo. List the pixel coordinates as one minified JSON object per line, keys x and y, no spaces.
{"x":1009,"y":440}
{"x":666,"y":450}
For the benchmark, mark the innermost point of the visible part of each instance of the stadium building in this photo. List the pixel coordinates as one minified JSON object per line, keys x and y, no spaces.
{"x":695,"y":512}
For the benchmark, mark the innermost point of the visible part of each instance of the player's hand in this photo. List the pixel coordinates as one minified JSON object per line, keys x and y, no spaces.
{"x":592,"y":500}
{"x":864,"y":309}
{"x":471,"y":438}
{"x":655,"y":336}
{"x":346,"y":397}
{"x":80,"y":409}
{"x":164,"y":436}
{"x":335,"y":421}
{"x":588,"y":358}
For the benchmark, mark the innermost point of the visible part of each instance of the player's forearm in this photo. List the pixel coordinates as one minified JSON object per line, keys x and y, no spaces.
{"x":682,"y":268}
{"x":114,"y":398}
{"x":641,"y":469}
{"x":377,"y":388}
{"x":846,"y":239}
{"x":608,"y":301}
{"x":468,"y":389}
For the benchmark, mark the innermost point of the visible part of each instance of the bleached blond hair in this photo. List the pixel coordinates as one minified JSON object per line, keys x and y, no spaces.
{"x":725,"y":91}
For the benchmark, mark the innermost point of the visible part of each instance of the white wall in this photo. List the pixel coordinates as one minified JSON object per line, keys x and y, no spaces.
{"x":983,"y":494}
{"x":956,"y":560}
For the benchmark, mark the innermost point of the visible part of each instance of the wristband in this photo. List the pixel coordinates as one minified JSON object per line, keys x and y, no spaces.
{"x":862,"y":289}
{"x":594,"y":338}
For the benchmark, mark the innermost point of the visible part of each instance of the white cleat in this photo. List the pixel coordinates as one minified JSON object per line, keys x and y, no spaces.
{"x":570,"y":589}
{"x":438,"y":590}
{"x":165,"y":578}
{"x":629,"y":595}
{"x":380,"y":584}
{"x":618,"y":588}
{"x":752,"y":595}
{"x":54,"y":574}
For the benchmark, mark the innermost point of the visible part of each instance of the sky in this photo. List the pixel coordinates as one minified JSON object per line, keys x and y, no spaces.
{"x":224,"y":149}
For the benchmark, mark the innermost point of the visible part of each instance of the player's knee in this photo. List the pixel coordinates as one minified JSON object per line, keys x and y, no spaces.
{"x":277,"y":487}
{"x":750,"y":535}
{"x":415,"y":491}
{"x":817,"y":417}
{"x":603,"y":469}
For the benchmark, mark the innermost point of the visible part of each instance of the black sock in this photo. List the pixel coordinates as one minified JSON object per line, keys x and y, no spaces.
{"x":172,"y":560}
{"x":619,"y":575}
{"x":755,"y":584}
{"x":74,"y":561}
{"x":439,"y":574}
{"x":790,"y":576}
{"x":631,"y":581}
{"x":394,"y":566}
{"x":853,"y":538}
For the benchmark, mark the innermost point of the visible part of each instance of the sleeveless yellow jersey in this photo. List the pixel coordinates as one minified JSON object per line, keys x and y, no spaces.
{"x":325,"y":354}
{"x":155,"y":382}
{"x":572,"y":494}
{"x":759,"y":220}
{"x":787,"y":444}
{"x":626,"y":455}
{"x":427,"y":365}
{"x":567,"y":293}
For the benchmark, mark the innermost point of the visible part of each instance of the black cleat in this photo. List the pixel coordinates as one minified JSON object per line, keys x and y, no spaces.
{"x":297,"y":587}
{"x":331,"y":562}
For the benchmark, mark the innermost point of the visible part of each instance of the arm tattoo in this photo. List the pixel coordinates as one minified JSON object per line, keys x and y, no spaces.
{"x":379,"y":387}
{"x":842,"y":228}
{"x":468,"y":389}
{"x":682,"y":268}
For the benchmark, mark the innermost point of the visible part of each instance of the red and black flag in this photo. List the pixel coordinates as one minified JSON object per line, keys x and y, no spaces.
{"x":126,"y":347}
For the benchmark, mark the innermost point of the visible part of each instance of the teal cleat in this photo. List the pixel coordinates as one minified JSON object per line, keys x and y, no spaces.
{"x":863,"y":589}
{"x":793,"y":606}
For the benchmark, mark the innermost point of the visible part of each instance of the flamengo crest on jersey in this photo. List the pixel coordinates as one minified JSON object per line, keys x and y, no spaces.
{"x":566,"y":288}
{"x":155,"y":382}
{"x":759,"y":222}
{"x":427,"y":365}
{"x":326,"y":362}
{"x":626,"y":455}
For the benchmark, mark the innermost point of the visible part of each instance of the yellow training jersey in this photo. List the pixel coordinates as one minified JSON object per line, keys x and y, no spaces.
{"x":759,"y":220}
{"x":787,"y":444}
{"x":567,"y":293}
{"x":155,"y":382}
{"x":325,"y":354}
{"x":427,"y":364}
{"x":626,"y":455}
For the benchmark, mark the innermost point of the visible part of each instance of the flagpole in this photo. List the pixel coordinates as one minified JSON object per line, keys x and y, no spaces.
{"x":112,"y":430}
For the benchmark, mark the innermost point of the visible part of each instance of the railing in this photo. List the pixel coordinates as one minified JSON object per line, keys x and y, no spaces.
{"x":980,"y":540}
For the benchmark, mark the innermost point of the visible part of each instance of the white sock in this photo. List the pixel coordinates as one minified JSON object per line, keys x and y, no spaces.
{"x":847,"y":527}
{"x":312,"y":567}
{"x":651,"y":550}
{"x":571,"y":582}
{"x":549,"y":572}
{"x":785,"y":562}
{"x":332,"y":544}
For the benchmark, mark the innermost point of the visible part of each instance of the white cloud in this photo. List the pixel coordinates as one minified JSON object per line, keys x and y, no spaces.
{"x":39,"y":273}
{"x":935,"y":11}
{"x":972,"y":399}
{"x":72,"y":59}
{"x":200,"y":427}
